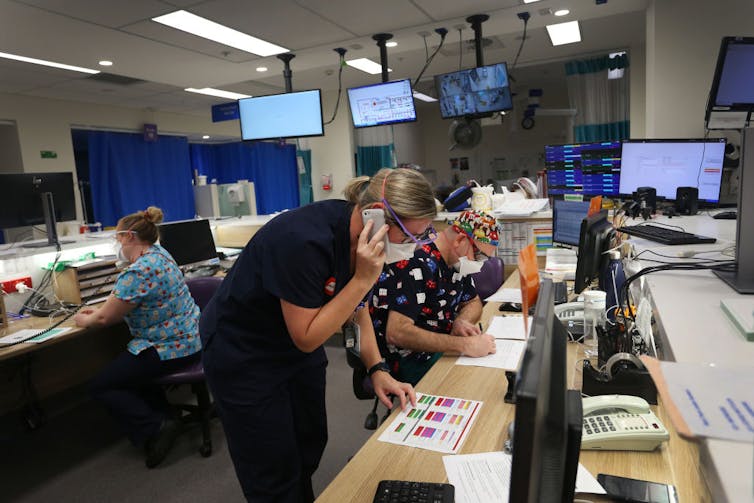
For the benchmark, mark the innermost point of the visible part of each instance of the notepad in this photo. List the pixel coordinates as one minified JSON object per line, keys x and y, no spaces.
{"x":508,"y":327}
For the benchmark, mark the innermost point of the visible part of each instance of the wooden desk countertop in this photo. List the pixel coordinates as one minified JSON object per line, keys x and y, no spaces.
{"x":39,"y":323}
{"x":674,"y":462}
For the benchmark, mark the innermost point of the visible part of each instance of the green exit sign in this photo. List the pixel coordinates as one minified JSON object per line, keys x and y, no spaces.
{"x":48,"y":154}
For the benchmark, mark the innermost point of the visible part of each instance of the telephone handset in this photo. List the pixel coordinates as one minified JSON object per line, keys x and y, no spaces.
{"x":571,"y":311}
{"x":377,"y":215}
{"x":620,"y":423}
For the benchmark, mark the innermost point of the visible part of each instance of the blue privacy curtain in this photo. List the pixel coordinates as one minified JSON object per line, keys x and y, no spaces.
{"x":271,"y":166}
{"x":375,"y":149}
{"x":304,"y":161}
{"x":602,"y":107}
{"x":128,"y":174}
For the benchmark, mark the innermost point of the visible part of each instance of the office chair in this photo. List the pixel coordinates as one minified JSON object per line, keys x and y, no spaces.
{"x":201,"y":290}
{"x":362,"y":383}
{"x":490,"y":278}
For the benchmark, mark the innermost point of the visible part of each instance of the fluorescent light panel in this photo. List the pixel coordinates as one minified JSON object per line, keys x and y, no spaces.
{"x":564,"y":33}
{"x":201,"y":27}
{"x":366,"y":65}
{"x":530,"y":1}
{"x":218,"y":93}
{"x":423,"y":97}
{"x":43,"y":62}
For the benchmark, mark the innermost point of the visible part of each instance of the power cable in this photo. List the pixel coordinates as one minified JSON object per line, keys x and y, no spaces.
{"x":442,"y":32}
{"x":342,"y":53}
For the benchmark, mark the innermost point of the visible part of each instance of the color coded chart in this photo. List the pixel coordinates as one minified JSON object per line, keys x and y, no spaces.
{"x":437,"y":423}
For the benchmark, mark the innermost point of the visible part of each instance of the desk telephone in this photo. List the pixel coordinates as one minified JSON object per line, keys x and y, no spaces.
{"x":620,"y":423}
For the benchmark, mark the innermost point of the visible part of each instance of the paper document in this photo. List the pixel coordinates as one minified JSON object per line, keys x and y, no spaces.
{"x":706,"y":401}
{"x":506,"y":357}
{"x":485,"y":477}
{"x":505,"y":295}
{"x":28,"y":334}
{"x":437,"y":423}
{"x":520,"y":207}
{"x":508,"y":327}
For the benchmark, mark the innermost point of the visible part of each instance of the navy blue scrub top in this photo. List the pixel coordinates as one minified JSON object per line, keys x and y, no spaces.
{"x":302,"y":256}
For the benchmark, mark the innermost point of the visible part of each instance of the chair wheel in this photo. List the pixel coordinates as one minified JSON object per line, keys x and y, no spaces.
{"x":205,"y":450}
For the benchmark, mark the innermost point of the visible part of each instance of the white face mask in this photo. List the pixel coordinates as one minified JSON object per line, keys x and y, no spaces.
{"x":118,"y":249}
{"x":399,"y":251}
{"x":466,"y":266}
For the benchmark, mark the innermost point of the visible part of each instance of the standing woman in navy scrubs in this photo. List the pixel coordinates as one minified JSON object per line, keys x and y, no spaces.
{"x":296,"y":282}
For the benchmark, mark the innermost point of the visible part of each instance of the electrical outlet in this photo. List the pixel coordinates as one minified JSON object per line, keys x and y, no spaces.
{"x":9,"y":285}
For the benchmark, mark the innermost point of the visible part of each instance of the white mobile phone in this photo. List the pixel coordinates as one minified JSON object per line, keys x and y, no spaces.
{"x":376,"y":215}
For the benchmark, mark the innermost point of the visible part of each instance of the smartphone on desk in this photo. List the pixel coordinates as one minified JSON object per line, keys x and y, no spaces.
{"x":637,"y":491}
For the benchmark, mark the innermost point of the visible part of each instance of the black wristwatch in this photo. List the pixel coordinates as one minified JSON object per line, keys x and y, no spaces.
{"x":379,"y":366}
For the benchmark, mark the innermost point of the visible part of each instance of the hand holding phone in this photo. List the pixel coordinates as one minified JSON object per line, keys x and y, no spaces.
{"x":377,"y":216}
{"x":637,"y":491}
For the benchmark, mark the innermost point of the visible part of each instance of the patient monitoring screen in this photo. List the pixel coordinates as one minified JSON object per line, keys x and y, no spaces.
{"x":667,"y":165}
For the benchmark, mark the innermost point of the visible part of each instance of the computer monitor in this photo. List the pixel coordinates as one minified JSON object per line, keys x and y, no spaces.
{"x":287,"y":115}
{"x":547,"y":426}
{"x":731,"y":98}
{"x":21,"y":196}
{"x":566,"y":220}
{"x":381,"y":104}
{"x":591,"y":169}
{"x":669,"y":164}
{"x":190,"y":243}
{"x":594,"y":240}
{"x":475,"y":92}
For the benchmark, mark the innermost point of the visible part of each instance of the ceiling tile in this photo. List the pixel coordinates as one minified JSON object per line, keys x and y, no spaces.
{"x":368,"y":18}
{"x":116,"y":14}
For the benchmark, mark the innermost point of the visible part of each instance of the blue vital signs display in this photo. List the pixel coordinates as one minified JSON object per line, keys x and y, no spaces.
{"x":591,"y":169}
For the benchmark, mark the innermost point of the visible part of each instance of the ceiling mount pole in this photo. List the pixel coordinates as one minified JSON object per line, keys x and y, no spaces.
{"x":287,"y":73}
{"x":381,"y":38}
{"x":476,"y":24}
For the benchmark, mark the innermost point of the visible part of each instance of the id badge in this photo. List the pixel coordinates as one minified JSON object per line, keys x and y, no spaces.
{"x":352,"y":336}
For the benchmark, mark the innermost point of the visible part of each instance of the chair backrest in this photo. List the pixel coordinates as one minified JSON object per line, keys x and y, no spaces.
{"x":203,"y":288}
{"x":490,"y":278}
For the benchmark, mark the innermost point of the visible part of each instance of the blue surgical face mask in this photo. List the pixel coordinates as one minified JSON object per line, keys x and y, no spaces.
{"x":396,"y":252}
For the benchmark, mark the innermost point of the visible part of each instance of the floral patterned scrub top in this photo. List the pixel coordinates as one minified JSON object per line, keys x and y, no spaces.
{"x":165,"y":316}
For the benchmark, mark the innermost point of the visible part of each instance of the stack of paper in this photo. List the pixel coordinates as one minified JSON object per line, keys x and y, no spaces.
{"x":510,"y":342}
{"x":520,"y":207}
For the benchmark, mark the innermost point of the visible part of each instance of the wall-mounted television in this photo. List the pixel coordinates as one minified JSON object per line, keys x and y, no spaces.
{"x":475,"y":92}
{"x":383,"y":103}
{"x":287,"y":115}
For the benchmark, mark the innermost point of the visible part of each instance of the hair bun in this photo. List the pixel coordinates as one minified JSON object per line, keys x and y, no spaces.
{"x":153,"y":214}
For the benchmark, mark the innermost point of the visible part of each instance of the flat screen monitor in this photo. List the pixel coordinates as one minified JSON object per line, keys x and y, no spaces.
{"x":566,"y":220}
{"x":287,"y":115}
{"x":190,"y":243}
{"x":591,"y":169}
{"x":547,"y":425}
{"x":475,"y":92}
{"x":381,"y":104}
{"x":669,"y":164}
{"x":21,"y":196}
{"x":594,"y":240}
{"x":731,"y":97}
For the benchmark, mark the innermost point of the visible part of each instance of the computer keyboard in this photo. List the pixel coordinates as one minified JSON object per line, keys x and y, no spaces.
{"x":419,"y":492}
{"x":665,"y":235}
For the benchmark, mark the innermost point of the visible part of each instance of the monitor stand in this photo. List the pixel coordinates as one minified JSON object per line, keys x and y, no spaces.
{"x":742,"y":279}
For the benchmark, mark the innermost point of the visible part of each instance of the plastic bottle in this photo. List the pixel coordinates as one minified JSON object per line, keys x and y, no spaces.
{"x":594,"y":316}
{"x":612,"y":283}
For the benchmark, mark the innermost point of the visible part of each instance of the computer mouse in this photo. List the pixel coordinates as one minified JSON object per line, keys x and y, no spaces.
{"x":726,"y":215}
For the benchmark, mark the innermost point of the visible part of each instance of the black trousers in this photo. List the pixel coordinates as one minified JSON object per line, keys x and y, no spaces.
{"x":276,"y":426}
{"x":126,"y":388}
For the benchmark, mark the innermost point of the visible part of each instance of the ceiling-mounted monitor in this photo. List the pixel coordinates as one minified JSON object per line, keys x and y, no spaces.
{"x":475,"y":92}
{"x":381,"y":104}
{"x":731,"y":99}
{"x":287,"y":115}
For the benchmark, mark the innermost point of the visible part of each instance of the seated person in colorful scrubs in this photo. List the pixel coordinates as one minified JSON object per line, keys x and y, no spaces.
{"x":153,"y":299}
{"x":427,"y":305}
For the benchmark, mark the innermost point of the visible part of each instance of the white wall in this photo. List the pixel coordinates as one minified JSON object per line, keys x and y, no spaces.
{"x":683,"y":40}
{"x":409,"y":142}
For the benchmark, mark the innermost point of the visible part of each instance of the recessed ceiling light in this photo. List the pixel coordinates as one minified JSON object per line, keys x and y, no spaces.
{"x":218,"y":93}
{"x":561,"y":12}
{"x":423,"y":97}
{"x":391,"y":44}
{"x":564,"y":33}
{"x":201,"y":27}
{"x":105,"y":62}
{"x":261,"y":68}
{"x":366,"y":65}
{"x":24,"y":59}
{"x":205,"y":137}
{"x":530,"y":1}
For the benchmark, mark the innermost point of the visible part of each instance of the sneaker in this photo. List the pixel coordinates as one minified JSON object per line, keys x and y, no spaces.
{"x":159,"y":445}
